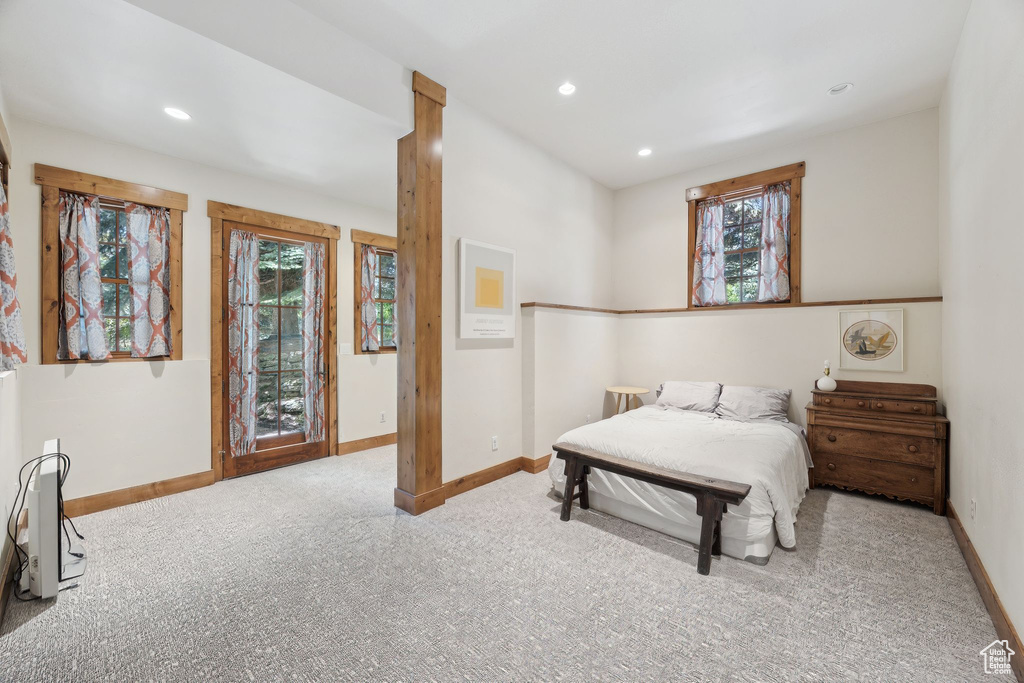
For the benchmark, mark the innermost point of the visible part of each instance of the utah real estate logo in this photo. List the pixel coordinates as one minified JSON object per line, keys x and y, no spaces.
{"x":997,"y":657}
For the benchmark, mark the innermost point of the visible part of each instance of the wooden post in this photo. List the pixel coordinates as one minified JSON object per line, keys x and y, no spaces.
{"x":419,"y":303}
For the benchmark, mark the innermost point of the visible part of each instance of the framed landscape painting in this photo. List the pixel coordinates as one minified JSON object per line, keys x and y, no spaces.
{"x":487,"y":291}
{"x":871,"y":340}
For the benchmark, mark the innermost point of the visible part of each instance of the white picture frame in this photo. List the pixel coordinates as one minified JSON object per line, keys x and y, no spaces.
{"x":871,"y":340}
{"x":487,"y":291}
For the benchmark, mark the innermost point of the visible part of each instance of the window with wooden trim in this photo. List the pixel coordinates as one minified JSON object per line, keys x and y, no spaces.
{"x":376,"y":292}
{"x":744,"y":240}
{"x":138,"y":317}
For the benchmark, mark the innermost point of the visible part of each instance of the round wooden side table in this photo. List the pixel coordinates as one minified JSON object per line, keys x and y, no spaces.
{"x":631,"y":393}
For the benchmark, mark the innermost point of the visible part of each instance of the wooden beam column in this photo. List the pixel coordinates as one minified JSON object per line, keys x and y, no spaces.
{"x":419,"y":303}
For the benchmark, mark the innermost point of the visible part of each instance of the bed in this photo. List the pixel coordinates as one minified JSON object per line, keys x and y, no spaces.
{"x":771,"y":456}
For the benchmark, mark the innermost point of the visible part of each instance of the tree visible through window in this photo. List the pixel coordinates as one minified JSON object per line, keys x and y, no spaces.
{"x":280,"y":406}
{"x":114,"y":274}
{"x":742,"y":229}
{"x":384,"y":295}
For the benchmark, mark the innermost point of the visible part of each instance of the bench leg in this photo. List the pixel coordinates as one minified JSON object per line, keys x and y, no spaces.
{"x":716,"y":545}
{"x":570,"y":486}
{"x":710,"y":511}
{"x":584,"y":489}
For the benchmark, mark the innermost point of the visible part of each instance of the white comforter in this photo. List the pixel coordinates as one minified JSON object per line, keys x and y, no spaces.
{"x":769,"y":457}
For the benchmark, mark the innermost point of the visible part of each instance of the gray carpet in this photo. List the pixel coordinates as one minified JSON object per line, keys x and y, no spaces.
{"x":308,"y":573}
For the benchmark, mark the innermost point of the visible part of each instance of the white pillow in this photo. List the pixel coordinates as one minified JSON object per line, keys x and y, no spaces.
{"x":753,"y":403}
{"x":702,"y":396}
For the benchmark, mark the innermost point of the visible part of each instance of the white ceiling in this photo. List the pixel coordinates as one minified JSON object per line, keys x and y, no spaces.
{"x":315,"y":92}
{"x":698,"y":81}
{"x":108,"y":69}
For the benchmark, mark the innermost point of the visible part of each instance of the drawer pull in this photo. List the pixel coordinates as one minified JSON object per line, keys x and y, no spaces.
{"x":832,"y":466}
{"x":860,"y":404}
{"x":832,"y":437}
{"x":915,"y":408}
{"x":828,"y":401}
{"x":912,"y":449}
{"x":913,"y":480}
{"x":879,"y":405}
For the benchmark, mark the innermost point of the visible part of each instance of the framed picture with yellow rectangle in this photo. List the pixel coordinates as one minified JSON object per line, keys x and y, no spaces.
{"x":487,"y":291}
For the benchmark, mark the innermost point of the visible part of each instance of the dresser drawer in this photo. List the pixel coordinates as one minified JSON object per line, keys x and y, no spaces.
{"x":842,"y":402}
{"x":902,"y":448}
{"x":889,"y":405}
{"x":875,"y":476}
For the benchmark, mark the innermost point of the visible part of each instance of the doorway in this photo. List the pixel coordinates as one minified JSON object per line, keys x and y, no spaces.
{"x":275,"y":342}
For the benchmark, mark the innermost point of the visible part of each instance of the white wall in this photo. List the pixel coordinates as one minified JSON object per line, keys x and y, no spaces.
{"x":569,"y":358}
{"x":10,"y":448}
{"x":499,"y":189}
{"x":982,"y":235}
{"x":870,"y":207}
{"x":115,"y":439}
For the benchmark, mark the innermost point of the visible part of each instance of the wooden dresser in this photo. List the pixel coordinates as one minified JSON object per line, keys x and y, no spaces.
{"x":882,"y":438}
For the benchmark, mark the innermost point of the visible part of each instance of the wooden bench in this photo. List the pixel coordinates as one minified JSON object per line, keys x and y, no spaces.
{"x":713,"y":495}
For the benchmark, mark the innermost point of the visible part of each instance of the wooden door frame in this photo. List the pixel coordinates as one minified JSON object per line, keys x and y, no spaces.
{"x":220,"y":212}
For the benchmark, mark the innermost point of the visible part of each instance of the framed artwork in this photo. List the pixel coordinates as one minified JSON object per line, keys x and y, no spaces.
{"x":487,"y":291}
{"x":871,"y":340}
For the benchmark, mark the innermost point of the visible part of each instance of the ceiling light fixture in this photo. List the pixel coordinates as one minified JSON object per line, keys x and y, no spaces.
{"x":840,"y":89}
{"x":645,"y":152}
{"x":177,"y":113}
{"x":567,"y":88}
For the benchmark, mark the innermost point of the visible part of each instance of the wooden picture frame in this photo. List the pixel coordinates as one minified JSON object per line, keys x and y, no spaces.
{"x":53,"y":180}
{"x":735,"y":187}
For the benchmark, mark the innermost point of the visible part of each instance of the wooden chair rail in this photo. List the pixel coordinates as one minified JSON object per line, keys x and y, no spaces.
{"x":713,"y":495}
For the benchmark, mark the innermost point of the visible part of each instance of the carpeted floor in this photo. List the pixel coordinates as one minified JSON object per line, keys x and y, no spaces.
{"x":309,"y":573}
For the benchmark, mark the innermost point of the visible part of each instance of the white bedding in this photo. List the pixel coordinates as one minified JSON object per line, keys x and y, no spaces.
{"x":768,"y":456}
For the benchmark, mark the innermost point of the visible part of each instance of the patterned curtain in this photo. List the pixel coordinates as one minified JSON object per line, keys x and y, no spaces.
{"x":81,"y":334}
{"x":313,"y":287}
{"x":773,"y":283}
{"x":709,"y":256}
{"x":149,"y":238}
{"x":243,"y":340}
{"x":12,"y":331}
{"x":370,"y":330}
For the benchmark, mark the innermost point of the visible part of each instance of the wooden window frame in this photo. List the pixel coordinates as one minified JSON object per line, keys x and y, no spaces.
{"x":53,"y":180}
{"x":738,"y":187}
{"x":283,"y":226}
{"x":359,"y":238}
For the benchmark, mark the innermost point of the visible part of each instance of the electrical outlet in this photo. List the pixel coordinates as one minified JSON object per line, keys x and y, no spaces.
{"x":494,"y":443}
{"x":974,"y":508}
{"x":382,"y":418}
{"x":588,"y":418}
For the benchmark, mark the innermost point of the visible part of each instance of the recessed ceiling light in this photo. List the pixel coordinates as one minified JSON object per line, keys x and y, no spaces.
{"x":177,"y":113}
{"x":840,"y":89}
{"x":645,"y":152}
{"x":567,"y":88}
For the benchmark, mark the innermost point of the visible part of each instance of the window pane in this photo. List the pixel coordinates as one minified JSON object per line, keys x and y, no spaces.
{"x":110,"y":328}
{"x":387,"y":313}
{"x":750,"y":289}
{"x":752,"y":209}
{"x":389,"y":335}
{"x":750,"y":263}
{"x":124,"y":334}
{"x":268,"y":338}
{"x":733,"y":212}
{"x":291,"y":402}
{"x":292,"y":258}
{"x":108,"y":263}
{"x":268,"y":272}
{"x":266,"y":404}
{"x":122,"y":262}
{"x":108,"y":225}
{"x":380,"y":313}
{"x":291,"y":339}
{"x":124,"y":301}
{"x":387,"y":288}
{"x":733,"y":238}
{"x":109,"y":298}
{"x":122,"y":227}
{"x":752,"y":236}
{"x":376,"y":288}
{"x":732,"y":265}
{"x":732,"y":291}
{"x":388,"y":265}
